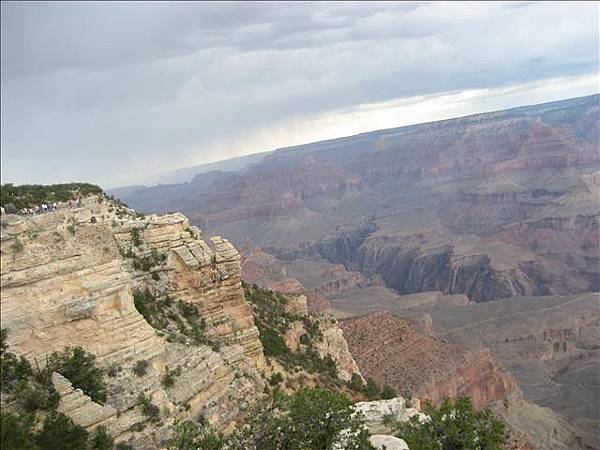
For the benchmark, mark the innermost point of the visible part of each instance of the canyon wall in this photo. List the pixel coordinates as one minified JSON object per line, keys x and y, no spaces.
{"x":392,"y":352}
{"x":492,"y":205}
{"x":69,"y":279}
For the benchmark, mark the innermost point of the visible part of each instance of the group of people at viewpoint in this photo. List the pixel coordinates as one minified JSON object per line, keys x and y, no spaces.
{"x":44,"y":207}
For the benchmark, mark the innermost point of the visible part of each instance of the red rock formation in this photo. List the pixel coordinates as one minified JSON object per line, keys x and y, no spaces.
{"x":392,"y":352}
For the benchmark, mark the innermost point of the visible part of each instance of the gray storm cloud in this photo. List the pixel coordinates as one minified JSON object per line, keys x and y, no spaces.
{"x":107,"y":91}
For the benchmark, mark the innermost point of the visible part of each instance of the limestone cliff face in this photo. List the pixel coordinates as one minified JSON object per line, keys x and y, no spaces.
{"x":331,"y":342}
{"x":335,"y":346}
{"x":207,"y":278}
{"x":66,"y":281}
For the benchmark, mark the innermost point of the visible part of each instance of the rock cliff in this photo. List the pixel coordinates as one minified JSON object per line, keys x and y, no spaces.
{"x":69,"y":278}
{"x":392,"y":352}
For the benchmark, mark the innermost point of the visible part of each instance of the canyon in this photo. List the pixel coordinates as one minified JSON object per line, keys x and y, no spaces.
{"x":149,"y":292}
{"x":481,"y":231}
{"x":491,"y":206}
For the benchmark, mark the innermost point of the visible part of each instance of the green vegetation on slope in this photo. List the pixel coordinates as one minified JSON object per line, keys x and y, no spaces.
{"x":311,"y":419}
{"x":273,"y":321}
{"x":29,"y":419}
{"x":30,"y":195}
{"x":454,"y":425}
{"x":80,"y":368}
{"x":162,"y":312}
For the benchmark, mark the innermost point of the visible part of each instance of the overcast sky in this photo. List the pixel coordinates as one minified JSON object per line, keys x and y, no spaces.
{"x":110,"y":92}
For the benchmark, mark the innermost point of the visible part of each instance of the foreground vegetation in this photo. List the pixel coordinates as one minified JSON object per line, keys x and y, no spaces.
{"x":309,"y":419}
{"x":29,"y":419}
{"x":454,"y":425}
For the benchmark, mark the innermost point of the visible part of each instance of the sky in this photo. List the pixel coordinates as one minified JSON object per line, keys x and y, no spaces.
{"x":109,"y":92}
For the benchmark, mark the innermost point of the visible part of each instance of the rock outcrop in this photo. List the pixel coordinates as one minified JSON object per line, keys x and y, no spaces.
{"x":387,"y":442}
{"x":335,"y":346}
{"x":68,"y":279}
{"x":398,"y":408}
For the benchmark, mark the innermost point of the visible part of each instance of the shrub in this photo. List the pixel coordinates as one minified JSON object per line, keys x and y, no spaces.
{"x":34,"y":397}
{"x":309,"y":419}
{"x":12,"y":369}
{"x":275,"y":379}
{"x":150,"y":307}
{"x":454,"y":425}
{"x":388,"y":392}
{"x":188,"y":311}
{"x":169,"y":376}
{"x":140,"y":368}
{"x":371,"y":389}
{"x":17,"y":246}
{"x":80,"y":368}
{"x":135,"y":237}
{"x":17,"y":378}
{"x":59,"y":431}
{"x":16,"y":431}
{"x":189,"y":435}
{"x":102,"y":439}
{"x":123,"y":446}
{"x":356,"y":382}
{"x":149,"y":409}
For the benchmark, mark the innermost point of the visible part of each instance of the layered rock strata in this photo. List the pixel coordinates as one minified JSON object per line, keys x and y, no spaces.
{"x":66,"y":282}
{"x":391,"y":351}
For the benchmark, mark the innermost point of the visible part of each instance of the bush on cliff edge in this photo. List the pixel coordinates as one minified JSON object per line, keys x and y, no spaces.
{"x":454,"y":425}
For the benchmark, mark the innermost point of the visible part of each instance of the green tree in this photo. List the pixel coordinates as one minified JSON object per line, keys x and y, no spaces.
{"x":317,"y":416}
{"x":310,"y":419}
{"x":16,"y":431}
{"x":80,"y":368}
{"x":388,"y":392}
{"x":59,"y":431}
{"x":141,"y":367}
{"x":12,"y":369}
{"x":455,"y":425}
{"x":149,"y":409}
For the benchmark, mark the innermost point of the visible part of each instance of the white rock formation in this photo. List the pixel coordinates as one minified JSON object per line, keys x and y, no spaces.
{"x":374,"y":412}
{"x":385,"y":442}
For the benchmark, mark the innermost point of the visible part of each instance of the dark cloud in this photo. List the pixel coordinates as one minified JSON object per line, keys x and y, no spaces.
{"x":100,"y":90}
